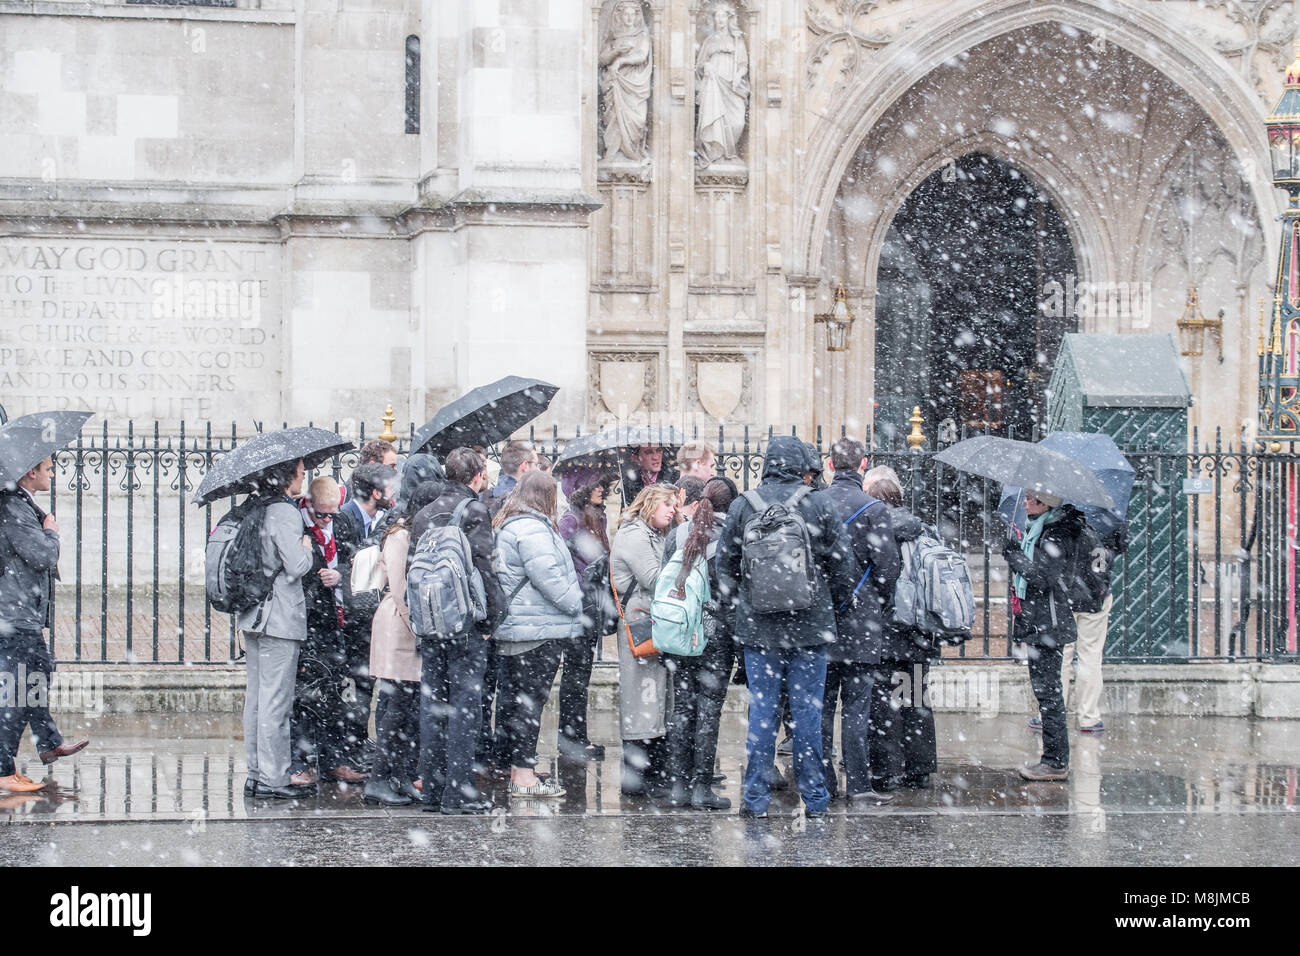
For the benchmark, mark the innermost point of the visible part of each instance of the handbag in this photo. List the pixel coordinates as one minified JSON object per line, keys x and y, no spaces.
{"x":367,"y":575}
{"x":639,"y":636}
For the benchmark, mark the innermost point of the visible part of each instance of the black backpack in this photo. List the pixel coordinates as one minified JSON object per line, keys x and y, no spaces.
{"x":776,"y":555}
{"x":233,"y":577}
{"x":599,"y":612}
{"x":1092,"y":565}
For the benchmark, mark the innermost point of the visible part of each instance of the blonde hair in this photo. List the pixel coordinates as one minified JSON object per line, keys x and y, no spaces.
{"x":647,"y":502}
{"x":324,"y":490}
{"x":694,"y":451}
{"x":882,"y":482}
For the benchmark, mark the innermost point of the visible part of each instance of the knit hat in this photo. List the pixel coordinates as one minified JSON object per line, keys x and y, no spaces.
{"x":1048,"y":499}
{"x":580,"y":476}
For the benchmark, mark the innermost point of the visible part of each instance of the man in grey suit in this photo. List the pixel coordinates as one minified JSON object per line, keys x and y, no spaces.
{"x":273,"y":632}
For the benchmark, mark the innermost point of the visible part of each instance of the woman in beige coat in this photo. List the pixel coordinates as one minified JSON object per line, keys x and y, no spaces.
{"x":644,"y":688}
{"x":395,"y":664}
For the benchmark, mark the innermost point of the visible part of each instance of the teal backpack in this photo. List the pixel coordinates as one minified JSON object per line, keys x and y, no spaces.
{"x":679,"y":622}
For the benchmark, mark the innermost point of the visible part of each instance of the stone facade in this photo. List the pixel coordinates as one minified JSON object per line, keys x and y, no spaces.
{"x":231,"y":213}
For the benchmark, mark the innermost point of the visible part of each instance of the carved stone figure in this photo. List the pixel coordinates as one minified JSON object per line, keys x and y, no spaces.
{"x":625,"y":65}
{"x":721,"y":89}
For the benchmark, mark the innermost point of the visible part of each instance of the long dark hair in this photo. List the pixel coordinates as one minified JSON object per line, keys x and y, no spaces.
{"x":534,"y":492}
{"x":593,"y":516}
{"x":715,"y":498}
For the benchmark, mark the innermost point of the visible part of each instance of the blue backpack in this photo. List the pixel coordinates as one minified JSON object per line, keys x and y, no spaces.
{"x":678,"y":617}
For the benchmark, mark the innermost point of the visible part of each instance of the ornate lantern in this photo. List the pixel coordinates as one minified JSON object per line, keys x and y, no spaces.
{"x":1279,"y":358}
{"x":838,"y":322}
{"x":1193,"y":326}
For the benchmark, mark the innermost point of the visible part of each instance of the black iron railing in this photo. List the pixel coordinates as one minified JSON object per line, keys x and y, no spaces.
{"x":1210,"y":575}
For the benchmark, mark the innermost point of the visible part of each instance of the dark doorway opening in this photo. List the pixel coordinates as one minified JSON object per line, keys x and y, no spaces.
{"x":959,"y":330}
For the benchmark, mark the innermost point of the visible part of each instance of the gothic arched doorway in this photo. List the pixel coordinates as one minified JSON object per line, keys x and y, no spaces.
{"x":959,"y":330}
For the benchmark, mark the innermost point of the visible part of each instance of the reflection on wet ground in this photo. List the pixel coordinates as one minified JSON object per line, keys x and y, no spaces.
{"x":191,"y":769}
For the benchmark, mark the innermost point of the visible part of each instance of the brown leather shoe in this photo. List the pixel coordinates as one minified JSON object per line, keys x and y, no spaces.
{"x":17,"y":783}
{"x":64,"y":749}
{"x":348,"y":775}
{"x":303,"y":778}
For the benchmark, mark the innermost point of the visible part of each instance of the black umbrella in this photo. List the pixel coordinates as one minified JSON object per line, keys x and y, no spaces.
{"x":27,"y":441}
{"x":1028,"y":466}
{"x":606,"y":450}
{"x":235,"y":472}
{"x":484,"y":415}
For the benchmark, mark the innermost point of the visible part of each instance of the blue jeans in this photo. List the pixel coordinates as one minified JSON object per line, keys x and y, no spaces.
{"x":804,"y":669}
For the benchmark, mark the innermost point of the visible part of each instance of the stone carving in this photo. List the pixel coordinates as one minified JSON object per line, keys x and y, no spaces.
{"x":626,"y":65}
{"x":623,"y":382}
{"x":1268,"y":30}
{"x":846,"y":32}
{"x":721,"y":385}
{"x":721,"y":89}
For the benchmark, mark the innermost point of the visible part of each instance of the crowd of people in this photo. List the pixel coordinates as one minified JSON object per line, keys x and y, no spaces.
{"x":806,"y":625}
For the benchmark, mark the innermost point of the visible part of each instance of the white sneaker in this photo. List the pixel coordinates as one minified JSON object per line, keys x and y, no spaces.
{"x":542,"y":788}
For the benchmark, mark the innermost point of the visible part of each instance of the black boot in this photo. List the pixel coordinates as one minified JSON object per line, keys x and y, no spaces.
{"x":703,"y":798}
{"x":383,"y":792}
{"x":680,"y":794}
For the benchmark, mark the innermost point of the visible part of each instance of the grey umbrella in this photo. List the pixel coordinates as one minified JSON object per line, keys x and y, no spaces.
{"x":606,"y":450}
{"x":235,"y":472}
{"x":27,"y":441}
{"x":1028,"y":466}
{"x":484,"y":415}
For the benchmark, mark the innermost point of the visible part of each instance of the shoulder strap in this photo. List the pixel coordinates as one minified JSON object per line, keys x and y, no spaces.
{"x":755,"y":500}
{"x":853,"y":517}
{"x":459,"y":510}
{"x":798,"y":496}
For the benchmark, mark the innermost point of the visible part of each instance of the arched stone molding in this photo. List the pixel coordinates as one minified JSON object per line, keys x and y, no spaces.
{"x":833,"y":143}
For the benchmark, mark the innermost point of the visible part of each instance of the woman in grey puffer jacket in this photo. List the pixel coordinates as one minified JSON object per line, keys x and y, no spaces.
{"x":543,"y":612}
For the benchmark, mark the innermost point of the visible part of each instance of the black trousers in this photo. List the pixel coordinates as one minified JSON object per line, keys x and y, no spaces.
{"x":699,"y":692}
{"x":848,"y":683}
{"x":397,"y":733}
{"x":1045,"y":679}
{"x":579,"y":654}
{"x":525,"y":684}
{"x":356,"y":715}
{"x":903,"y":742}
{"x":489,"y":738}
{"x":317,"y":724}
{"x":646,"y":765}
{"x":451,"y":700}
{"x":25,"y":677}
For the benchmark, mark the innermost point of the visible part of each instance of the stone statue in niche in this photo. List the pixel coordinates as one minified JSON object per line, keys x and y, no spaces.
{"x":625,"y":67}
{"x":721,"y":89}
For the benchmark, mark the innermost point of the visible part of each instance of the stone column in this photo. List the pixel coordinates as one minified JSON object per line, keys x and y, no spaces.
{"x":501,"y":265}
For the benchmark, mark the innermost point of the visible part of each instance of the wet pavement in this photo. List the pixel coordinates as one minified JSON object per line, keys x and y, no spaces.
{"x":1150,"y":790}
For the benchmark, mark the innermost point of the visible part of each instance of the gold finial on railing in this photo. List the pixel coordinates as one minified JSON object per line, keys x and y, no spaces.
{"x":388,"y":434}
{"x":916,"y":439}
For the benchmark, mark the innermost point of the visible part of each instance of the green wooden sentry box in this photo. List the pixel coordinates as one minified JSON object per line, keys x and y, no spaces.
{"x":1132,"y":388}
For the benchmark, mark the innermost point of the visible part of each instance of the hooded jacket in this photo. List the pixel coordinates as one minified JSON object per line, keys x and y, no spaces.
{"x":834,"y":567}
{"x":1045,"y":616}
{"x":860,"y":623}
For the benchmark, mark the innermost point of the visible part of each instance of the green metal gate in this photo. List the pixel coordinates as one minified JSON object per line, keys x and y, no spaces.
{"x":1131,"y":387}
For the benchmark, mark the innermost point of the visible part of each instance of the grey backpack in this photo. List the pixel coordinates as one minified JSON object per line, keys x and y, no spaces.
{"x":934,"y":592}
{"x":776,"y":555}
{"x":444,"y":591}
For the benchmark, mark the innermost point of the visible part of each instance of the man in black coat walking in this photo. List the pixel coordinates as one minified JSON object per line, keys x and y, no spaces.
{"x":786,"y":644}
{"x":859,"y":623}
{"x":29,"y":558}
{"x":451,"y":685}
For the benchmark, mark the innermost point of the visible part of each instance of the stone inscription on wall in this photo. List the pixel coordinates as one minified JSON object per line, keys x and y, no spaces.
{"x":140,"y":330}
